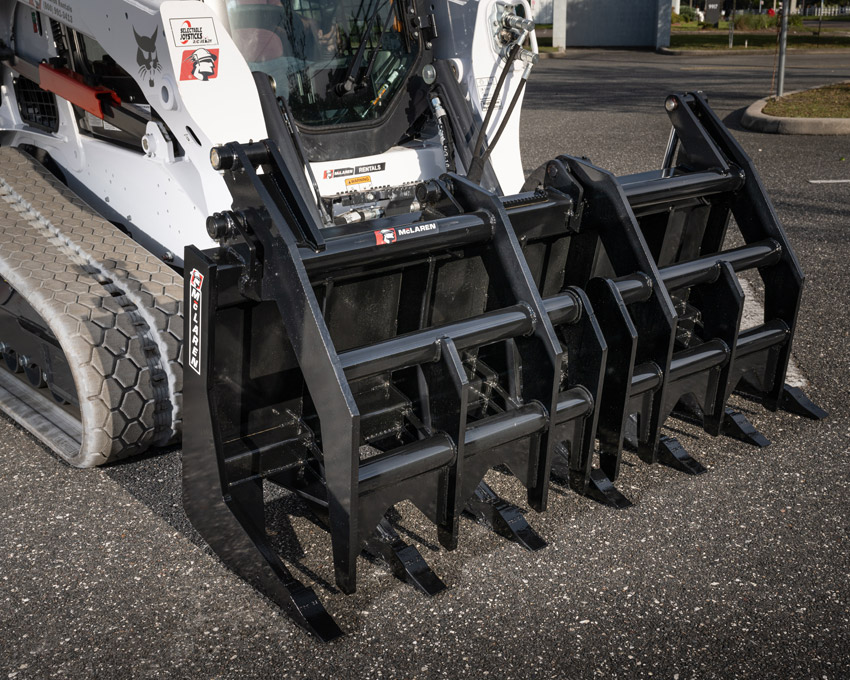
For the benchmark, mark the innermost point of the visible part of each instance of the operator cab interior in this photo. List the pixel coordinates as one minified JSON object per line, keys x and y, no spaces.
{"x":338,"y":63}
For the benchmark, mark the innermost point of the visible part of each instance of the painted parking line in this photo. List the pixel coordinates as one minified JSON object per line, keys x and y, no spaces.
{"x":829,"y":181}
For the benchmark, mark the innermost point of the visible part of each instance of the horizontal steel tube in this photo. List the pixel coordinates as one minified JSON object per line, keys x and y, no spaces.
{"x":756,"y":339}
{"x":494,"y":431}
{"x":646,"y":377}
{"x":706,"y":269}
{"x":698,"y":359}
{"x":405,"y":462}
{"x":635,"y":287}
{"x":638,"y":287}
{"x":660,"y":188}
{"x":367,"y":246}
{"x":421,"y":347}
{"x":574,"y":403}
{"x":564,"y":308}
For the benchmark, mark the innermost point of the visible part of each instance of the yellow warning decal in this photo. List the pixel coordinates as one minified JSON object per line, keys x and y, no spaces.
{"x":365,"y":179}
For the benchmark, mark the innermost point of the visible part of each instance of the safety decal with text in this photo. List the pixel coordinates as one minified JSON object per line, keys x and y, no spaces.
{"x":199,"y":64}
{"x":384,"y":237}
{"x":194,"y":32}
{"x":353,"y":181}
{"x":196,"y":289}
{"x":60,"y":9}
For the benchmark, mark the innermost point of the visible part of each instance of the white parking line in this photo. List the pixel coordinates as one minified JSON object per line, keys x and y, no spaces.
{"x":754,"y":316}
{"x":829,"y":181}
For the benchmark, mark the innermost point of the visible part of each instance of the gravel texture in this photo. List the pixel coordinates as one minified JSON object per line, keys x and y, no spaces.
{"x":741,"y":572}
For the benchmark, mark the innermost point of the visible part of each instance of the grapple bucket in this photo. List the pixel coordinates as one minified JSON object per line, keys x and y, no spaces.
{"x":365,"y":365}
{"x":401,"y":358}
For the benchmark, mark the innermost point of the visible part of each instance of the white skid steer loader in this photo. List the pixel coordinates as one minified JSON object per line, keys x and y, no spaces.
{"x":297,"y":235}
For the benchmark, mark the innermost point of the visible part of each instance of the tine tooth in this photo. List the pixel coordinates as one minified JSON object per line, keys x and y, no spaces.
{"x":405,"y":561}
{"x":503,"y":518}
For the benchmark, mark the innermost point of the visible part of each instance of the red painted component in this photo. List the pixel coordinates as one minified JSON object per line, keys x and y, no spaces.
{"x":70,"y":86}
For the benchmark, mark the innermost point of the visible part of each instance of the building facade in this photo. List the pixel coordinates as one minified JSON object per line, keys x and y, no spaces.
{"x":609,"y":23}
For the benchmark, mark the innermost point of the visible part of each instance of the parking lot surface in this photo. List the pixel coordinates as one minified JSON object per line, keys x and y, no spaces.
{"x":741,"y":572}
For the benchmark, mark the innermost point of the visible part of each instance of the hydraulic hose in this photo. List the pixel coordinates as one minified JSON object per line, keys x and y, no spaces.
{"x":494,"y":97}
{"x":444,"y":130}
{"x":486,"y":155}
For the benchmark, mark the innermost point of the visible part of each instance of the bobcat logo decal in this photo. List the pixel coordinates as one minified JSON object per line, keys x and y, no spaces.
{"x":146,"y":56}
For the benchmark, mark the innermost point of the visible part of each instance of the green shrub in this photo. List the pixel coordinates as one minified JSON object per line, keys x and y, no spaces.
{"x":795,"y":20}
{"x":754,"y":22}
{"x":675,"y":18}
{"x":688,"y":13}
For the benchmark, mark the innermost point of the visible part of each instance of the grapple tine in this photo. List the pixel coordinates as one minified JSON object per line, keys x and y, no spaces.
{"x":502,"y":517}
{"x":673,"y":454}
{"x":795,"y":401}
{"x":602,"y":490}
{"x":405,"y":561}
{"x":737,"y":426}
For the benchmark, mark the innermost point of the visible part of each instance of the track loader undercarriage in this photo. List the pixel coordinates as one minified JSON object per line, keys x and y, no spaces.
{"x":375,"y":311}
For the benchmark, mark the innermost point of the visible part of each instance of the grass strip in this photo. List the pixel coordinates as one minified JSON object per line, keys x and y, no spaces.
{"x":720,"y":41}
{"x":832,"y":101}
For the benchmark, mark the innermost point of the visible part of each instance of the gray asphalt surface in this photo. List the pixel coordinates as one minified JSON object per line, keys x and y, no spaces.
{"x":742,"y":572}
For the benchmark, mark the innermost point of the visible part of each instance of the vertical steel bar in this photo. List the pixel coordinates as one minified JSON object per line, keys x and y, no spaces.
{"x":783,"y":41}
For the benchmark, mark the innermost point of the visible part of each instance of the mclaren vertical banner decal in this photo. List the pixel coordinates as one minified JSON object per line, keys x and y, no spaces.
{"x":196,"y":290}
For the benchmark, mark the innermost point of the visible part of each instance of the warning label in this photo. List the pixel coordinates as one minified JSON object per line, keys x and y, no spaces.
{"x":351,"y":181}
{"x":485,"y":88}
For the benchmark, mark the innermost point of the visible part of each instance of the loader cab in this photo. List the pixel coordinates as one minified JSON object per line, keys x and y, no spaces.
{"x":342,"y":65}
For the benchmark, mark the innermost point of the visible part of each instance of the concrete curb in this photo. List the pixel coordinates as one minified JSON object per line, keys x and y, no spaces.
{"x":757,"y":121}
{"x":748,"y":50}
{"x":564,"y":54}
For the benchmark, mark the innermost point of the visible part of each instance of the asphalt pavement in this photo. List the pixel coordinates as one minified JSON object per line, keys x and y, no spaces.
{"x":743,"y":572}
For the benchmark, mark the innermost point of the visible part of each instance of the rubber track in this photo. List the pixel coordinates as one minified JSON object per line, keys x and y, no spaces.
{"x":115,"y":309}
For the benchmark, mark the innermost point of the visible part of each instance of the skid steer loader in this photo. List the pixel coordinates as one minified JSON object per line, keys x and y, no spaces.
{"x":297,"y":235}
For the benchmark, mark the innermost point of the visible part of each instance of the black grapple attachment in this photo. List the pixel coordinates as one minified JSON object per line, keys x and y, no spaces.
{"x":362,"y":366}
{"x":401,"y":359}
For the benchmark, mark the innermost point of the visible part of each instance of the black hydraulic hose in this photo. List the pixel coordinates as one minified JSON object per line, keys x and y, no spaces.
{"x":448,"y":144}
{"x":494,"y":97}
{"x":444,"y":129}
{"x":504,"y":124}
{"x":463,"y":126}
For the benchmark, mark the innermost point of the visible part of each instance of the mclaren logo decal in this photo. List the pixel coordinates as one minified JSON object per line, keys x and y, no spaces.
{"x":339,"y":172}
{"x":196,"y":290}
{"x":384,"y":237}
